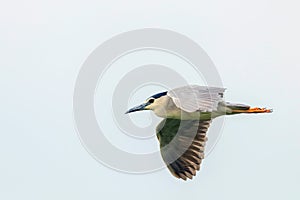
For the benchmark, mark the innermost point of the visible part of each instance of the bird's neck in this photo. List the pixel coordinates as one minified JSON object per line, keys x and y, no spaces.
{"x":166,"y":108}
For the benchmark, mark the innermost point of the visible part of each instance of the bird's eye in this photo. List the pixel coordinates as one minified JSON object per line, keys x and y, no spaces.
{"x":151,"y":100}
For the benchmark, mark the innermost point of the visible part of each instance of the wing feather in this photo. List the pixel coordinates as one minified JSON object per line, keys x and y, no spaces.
{"x":193,"y":98}
{"x":182,"y":145}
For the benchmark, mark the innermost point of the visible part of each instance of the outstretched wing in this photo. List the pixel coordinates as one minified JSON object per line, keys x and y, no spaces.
{"x":193,"y":98}
{"x":182,"y":145}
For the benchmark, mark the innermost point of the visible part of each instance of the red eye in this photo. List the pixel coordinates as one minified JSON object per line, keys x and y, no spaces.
{"x":151,"y":100}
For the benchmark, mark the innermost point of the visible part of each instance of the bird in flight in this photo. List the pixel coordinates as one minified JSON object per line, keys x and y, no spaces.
{"x":188,"y":112}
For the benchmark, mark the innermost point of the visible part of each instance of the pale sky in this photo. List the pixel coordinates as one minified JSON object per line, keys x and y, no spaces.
{"x":254,"y":45}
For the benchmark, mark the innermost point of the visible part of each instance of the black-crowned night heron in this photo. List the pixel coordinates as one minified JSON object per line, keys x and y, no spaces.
{"x":187,"y":113}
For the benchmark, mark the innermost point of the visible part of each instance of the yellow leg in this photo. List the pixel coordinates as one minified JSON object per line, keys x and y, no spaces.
{"x":254,"y":110}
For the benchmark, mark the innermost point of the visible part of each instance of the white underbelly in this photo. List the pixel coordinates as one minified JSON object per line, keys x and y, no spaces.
{"x":178,"y":114}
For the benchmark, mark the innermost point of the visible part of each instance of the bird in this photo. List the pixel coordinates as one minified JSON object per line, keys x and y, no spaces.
{"x":187,"y":113}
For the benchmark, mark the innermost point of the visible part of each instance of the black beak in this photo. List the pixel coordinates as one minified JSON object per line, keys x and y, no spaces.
{"x":137,"y":108}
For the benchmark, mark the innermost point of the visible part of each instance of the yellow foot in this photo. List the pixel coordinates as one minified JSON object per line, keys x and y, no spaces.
{"x":259,"y":110}
{"x":253,"y":110}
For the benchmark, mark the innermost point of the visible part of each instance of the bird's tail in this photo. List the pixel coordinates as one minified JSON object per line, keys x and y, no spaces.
{"x":241,"y":108}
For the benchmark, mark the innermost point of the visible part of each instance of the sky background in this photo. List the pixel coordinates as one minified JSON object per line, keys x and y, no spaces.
{"x":254,"y":45}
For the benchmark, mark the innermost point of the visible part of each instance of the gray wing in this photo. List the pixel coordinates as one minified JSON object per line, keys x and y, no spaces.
{"x":182,"y":145}
{"x":193,"y":98}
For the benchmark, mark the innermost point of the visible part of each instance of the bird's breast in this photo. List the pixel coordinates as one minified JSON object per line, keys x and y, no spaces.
{"x":180,"y":114}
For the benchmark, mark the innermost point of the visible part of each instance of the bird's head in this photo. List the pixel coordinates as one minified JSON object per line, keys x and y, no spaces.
{"x":151,"y":103}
